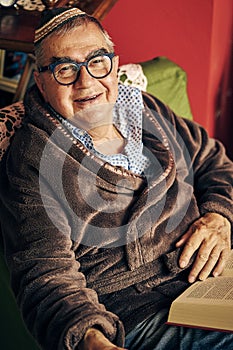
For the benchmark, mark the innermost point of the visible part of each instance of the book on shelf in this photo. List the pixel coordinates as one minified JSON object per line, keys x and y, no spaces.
{"x":206,"y":304}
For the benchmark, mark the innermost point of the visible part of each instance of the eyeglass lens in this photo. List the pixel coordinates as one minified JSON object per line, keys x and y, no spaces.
{"x":97,"y":67}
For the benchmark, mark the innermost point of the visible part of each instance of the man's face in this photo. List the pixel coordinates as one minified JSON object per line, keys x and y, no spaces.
{"x":86,"y":92}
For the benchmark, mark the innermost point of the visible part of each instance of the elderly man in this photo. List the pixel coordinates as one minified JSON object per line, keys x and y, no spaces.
{"x":110,"y":204}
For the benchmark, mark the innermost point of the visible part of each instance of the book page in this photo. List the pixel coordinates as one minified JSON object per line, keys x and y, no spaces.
{"x":206,"y":304}
{"x":218,"y":288}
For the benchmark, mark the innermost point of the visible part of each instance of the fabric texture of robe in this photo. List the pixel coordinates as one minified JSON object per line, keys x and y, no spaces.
{"x":90,"y":244}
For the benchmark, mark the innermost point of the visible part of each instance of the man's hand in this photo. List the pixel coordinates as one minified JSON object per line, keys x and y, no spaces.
{"x":211,"y":237}
{"x":95,"y":340}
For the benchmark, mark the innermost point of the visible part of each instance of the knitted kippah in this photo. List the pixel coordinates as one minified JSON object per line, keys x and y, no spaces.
{"x":53,"y":19}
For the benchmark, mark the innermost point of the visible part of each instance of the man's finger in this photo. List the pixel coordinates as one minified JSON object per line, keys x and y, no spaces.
{"x":190,"y":248}
{"x":184,"y":239}
{"x":206,"y":263}
{"x":221,"y":262}
{"x":210,"y":264}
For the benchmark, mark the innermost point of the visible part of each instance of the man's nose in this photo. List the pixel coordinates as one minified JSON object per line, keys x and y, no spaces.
{"x":84,"y":79}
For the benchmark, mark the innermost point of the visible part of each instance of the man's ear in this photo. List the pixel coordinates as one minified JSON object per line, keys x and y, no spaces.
{"x":115,"y":63}
{"x":39,"y":83}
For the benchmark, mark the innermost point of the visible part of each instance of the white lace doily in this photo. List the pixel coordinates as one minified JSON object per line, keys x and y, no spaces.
{"x":37,"y":5}
{"x":31,"y":5}
{"x":132,"y":74}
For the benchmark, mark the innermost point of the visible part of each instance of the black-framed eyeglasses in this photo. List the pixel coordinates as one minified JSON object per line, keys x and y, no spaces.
{"x":67,"y":72}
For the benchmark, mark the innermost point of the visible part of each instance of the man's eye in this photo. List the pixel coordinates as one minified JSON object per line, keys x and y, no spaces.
{"x":69,"y":67}
{"x":66,"y":69}
{"x":97,"y":60}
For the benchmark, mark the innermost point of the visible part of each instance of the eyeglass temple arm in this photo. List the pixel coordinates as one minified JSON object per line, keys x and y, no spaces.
{"x":43,"y":69}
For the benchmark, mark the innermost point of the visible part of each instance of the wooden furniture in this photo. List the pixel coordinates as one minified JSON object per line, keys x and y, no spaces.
{"x":17,"y":28}
{"x":25,"y":78}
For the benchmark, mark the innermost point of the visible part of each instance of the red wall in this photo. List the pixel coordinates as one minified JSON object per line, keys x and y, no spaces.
{"x":196,"y":34}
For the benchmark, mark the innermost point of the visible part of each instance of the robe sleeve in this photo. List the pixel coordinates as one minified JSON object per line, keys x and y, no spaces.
{"x":50,"y":290}
{"x":206,"y":159}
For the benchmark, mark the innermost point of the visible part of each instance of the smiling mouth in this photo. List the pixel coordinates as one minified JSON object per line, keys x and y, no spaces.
{"x":89,"y":98}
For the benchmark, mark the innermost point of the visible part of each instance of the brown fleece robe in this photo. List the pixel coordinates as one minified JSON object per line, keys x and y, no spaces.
{"x":90,"y":244}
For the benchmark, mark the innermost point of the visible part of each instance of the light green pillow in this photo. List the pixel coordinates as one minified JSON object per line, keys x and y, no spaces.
{"x":163,"y":79}
{"x":167,"y":81}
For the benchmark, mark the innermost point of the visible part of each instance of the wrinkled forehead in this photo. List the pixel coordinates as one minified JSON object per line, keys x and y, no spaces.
{"x":78,"y":43}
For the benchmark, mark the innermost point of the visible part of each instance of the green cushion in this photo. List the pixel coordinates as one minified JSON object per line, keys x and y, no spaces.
{"x":167,"y":81}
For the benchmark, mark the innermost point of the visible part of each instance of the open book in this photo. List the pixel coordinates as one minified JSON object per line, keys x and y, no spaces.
{"x":207,"y":304}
